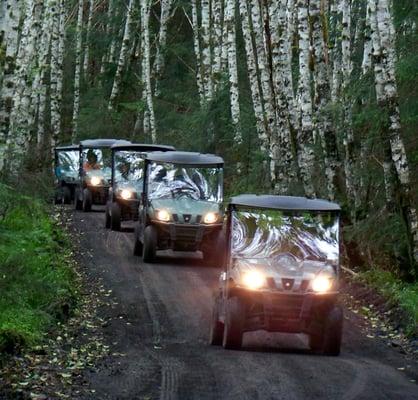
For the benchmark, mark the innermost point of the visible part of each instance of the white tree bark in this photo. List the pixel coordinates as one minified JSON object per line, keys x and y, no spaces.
{"x":87,"y":42}
{"x":57,"y":72}
{"x":22,"y":117}
{"x":217,"y":38}
{"x":252,"y":76}
{"x":197,"y":52}
{"x":305,"y":133}
{"x":122,"y":56}
{"x":232,"y":68}
{"x":322,"y":99}
{"x":387,"y":98}
{"x":11,"y":41}
{"x":77,"y":74}
{"x":206,"y":51}
{"x":146,"y":73}
{"x":162,"y":41}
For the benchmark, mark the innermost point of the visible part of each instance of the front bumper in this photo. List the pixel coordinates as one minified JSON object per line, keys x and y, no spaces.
{"x":185,"y":237}
{"x":100,"y":194}
{"x":283,"y":311}
{"x":129,"y":209}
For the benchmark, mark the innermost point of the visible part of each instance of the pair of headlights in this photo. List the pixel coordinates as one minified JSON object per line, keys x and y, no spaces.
{"x":164,"y":216}
{"x":254,"y":280}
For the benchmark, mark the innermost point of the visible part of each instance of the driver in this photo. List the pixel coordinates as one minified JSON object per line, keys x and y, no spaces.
{"x":91,"y":163}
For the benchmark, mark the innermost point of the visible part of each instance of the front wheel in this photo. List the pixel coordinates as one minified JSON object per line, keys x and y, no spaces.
{"x":66,"y":195}
{"x":107,"y":216}
{"x":234,"y":323}
{"x":216,"y":326}
{"x":138,"y":247}
{"x":328,"y":339}
{"x":214,"y":251}
{"x":150,"y":244}
{"x":87,"y":200}
{"x":115,"y":216}
{"x":78,"y":204}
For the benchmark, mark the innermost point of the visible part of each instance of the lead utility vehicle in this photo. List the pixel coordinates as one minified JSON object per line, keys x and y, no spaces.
{"x":181,"y":205}
{"x":94,"y":172}
{"x":66,"y":172}
{"x":281,"y":271}
{"x":127,"y":182}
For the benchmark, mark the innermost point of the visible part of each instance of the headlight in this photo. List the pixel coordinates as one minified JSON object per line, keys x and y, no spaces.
{"x":321,"y":284}
{"x":163,"y":215}
{"x":210,"y":218}
{"x":126,"y":194}
{"x":253,"y":280}
{"x":95,"y":180}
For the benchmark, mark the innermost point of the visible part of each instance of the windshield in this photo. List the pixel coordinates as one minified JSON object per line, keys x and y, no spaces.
{"x":274,"y":234}
{"x":128,"y":170}
{"x":67,"y":164}
{"x":96,"y":162}
{"x":176,"y":181}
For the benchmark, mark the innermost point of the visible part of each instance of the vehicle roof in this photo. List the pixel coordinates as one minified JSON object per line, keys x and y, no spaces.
{"x":283,"y":202}
{"x":95,"y":143}
{"x":185,"y":158}
{"x":67,"y":147}
{"x":142,"y":147}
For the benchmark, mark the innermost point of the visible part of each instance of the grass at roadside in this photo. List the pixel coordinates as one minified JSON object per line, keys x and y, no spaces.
{"x":403,"y":295}
{"x":37,"y":285}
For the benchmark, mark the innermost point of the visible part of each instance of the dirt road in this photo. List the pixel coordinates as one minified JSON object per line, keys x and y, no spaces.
{"x":159,"y":323}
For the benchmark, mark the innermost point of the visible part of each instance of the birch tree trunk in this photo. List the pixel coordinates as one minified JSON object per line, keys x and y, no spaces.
{"x":77,"y":74}
{"x":197,"y":52}
{"x":162,"y":41}
{"x":305,"y":133}
{"x":217,"y":38}
{"x":22,"y":117}
{"x":122,"y":57}
{"x":230,"y":15}
{"x":387,"y":98}
{"x":11,"y":40}
{"x":206,"y":51}
{"x":253,"y":79}
{"x":57,"y":72}
{"x":322,"y":99}
{"x":87,"y":43}
{"x":146,"y":73}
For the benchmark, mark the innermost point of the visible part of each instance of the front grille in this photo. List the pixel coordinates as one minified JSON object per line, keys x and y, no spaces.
{"x":186,"y":232}
{"x":287,"y":283}
{"x":187,"y":217}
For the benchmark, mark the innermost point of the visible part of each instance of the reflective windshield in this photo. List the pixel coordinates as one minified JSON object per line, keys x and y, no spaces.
{"x":176,"y":181}
{"x":128,"y":170}
{"x":97,"y":162}
{"x":274,"y":234}
{"x":67,"y":164}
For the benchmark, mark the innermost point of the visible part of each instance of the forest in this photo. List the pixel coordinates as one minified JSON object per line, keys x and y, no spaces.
{"x":316,"y":98}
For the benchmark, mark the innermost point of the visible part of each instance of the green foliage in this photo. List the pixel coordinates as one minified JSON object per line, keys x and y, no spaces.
{"x":399,"y":293}
{"x":36,"y":282}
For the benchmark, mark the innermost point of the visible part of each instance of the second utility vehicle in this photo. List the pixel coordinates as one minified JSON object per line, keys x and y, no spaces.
{"x":127,"y":182}
{"x":181,"y":205}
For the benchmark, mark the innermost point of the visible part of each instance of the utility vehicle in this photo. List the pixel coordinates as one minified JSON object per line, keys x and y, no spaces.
{"x":127,"y":182}
{"x":281,"y":269}
{"x":66,"y":173}
{"x":181,"y":205}
{"x":94,"y":172}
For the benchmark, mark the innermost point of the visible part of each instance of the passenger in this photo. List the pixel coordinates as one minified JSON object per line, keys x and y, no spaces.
{"x":91,"y":163}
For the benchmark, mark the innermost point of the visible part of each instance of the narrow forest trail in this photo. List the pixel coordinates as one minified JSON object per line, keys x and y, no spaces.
{"x":159,"y":323}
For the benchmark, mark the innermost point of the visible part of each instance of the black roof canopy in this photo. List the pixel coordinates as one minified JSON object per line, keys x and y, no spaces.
{"x":283,"y":203}
{"x":185,"y":158}
{"x":102,"y":143}
{"x":141,"y":147}
{"x":68,"y":147}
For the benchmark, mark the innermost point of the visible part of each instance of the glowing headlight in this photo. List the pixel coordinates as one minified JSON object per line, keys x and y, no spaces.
{"x":95,"y":180}
{"x":163,"y":215}
{"x":210,"y":218}
{"x":253,"y":280}
{"x":322,"y":284}
{"x":126,"y":194}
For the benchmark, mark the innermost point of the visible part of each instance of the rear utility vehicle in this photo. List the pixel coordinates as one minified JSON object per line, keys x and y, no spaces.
{"x":66,"y":172}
